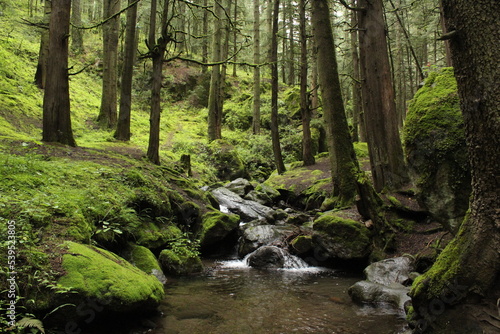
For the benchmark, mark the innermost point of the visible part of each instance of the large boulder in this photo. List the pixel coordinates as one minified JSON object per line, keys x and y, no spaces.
{"x":239,"y":186}
{"x":388,"y":271}
{"x":384,"y":283}
{"x":247,"y":210}
{"x":255,"y":236}
{"x":105,"y":279}
{"x":365,"y":292}
{"x":342,"y":238}
{"x":215,"y":226}
{"x":267,"y":257}
{"x":434,"y":142}
{"x":263,"y":194}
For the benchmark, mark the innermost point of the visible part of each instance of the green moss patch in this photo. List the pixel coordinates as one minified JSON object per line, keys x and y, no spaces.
{"x":216,"y":226}
{"x":105,"y":277}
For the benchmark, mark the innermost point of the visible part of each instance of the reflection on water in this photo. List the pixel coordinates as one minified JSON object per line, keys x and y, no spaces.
{"x":232,"y":298}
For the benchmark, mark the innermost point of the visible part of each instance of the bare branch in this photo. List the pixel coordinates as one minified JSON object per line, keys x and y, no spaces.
{"x":42,"y":25}
{"x":346,"y":5}
{"x":107,"y":19}
{"x":447,"y":36}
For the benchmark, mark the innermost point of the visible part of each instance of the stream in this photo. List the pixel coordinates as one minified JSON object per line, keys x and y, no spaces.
{"x":232,"y":298}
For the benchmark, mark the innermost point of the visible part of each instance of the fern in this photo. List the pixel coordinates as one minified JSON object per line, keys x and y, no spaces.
{"x":31,"y":322}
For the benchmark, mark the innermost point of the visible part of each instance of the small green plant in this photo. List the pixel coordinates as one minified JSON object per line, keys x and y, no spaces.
{"x":184,"y":245}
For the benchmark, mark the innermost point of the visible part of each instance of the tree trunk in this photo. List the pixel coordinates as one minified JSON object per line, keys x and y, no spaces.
{"x":291,"y":50}
{"x":157,"y":54}
{"x":108,"y":112}
{"x":123,"y":125}
{"x":41,"y":68}
{"x":386,"y":153}
{"x":235,"y":37}
{"x":56,"y":103}
{"x":204,"y":46}
{"x":214,"y":98}
{"x":359,"y":132}
{"x":76,"y":34}
{"x":256,"y":70}
{"x":470,"y":265}
{"x":278,"y":159}
{"x":343,"y":161}
{"x":305,"y":111}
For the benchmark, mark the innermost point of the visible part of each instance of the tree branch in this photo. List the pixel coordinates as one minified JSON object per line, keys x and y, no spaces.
{"x":346,"y":5}
{"x":447,"y":36}
{"x":107,"y":19}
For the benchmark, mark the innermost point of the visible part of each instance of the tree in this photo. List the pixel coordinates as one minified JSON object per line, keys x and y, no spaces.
{"x":358,"y":122}
{"x":471,"y":262}
{"x":384,"y":144}
{"x":108,"y":112}
{"x":123,"y":125}
{"x":342,"y":157}
{"x":76,"y":33}
{"x":56,"y":103}
{"x":256,"y":69}
{"x":157,"y":53}
{"x":278,"y":159}
{"x":214,"y":98}
{"x":41,"y":68}
{"x":305,"y":111}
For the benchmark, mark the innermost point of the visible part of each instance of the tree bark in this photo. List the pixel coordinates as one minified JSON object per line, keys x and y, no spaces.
{"x":214,"y":98}
{"x":256,"y":70}
{"x":386,"y":152}
{"x":157,"y":54}
{"x":56,"y":103}
{"x":123,"y":125}
{"x":278,"y":159}
{"x":471,"y":262}
{"x":41,"y":68}
{"x":108,"y":112}
{"x":358,"y":124}
{"x":305,"y":111}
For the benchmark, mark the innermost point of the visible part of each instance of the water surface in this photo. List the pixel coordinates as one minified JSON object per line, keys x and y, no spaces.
{"x":232,"y":298}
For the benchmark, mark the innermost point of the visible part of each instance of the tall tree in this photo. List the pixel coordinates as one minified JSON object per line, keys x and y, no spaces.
{"x":305,"y":111}
{"x":471,"y":262}
{"x":256,"y":69}
{"x":214,"y":98}
{"x":157,"y":54}
{"x":123,"y":124}
{"x":204,"y":46}
{"x":358,"y":123}
{"x":342,"y":157}
{"x":278,"y":158}
{"x":381,"y":122}
{"x":41,"y":68}
{"x":56,"y":103}
{"x":291,"y":49}
{"x":108,"y":113}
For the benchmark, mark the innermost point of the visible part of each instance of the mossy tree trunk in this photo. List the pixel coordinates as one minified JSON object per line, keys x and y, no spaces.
{"x":123,"y":125}
{"x":108,"y":113}
{"x":471,"y":261}
{"x":379,"y":106}
{"x":278,"y":158}
{"x":56,"y":103}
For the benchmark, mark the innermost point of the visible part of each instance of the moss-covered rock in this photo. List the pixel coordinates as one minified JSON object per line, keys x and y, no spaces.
{"x":226,"y":161}
{"x":342,"y":238}
{"x":302,"y":244}
{"x":155,"y":235}
{"x":435,"y":147}
{"x":263,"y":194}
{"x":144,"y":259}
{"x":107,"y":280}
{"x":216,"y":226}
{"x":180,"y":263}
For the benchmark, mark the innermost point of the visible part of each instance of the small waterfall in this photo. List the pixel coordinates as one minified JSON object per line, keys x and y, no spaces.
{"x":293,"y":262}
